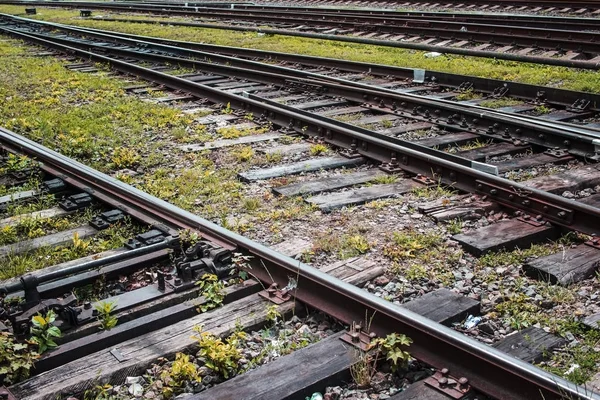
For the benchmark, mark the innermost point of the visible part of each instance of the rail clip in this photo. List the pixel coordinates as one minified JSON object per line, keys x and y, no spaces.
{"x":445,"y":383}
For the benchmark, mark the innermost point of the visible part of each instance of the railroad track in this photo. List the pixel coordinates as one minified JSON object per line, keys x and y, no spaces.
{"x":433,"y":344}
{"x":536,"y":40}
{"x":493,"y":6}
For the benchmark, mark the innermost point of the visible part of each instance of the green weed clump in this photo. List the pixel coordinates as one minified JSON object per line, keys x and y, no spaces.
{"x":16,"y":359}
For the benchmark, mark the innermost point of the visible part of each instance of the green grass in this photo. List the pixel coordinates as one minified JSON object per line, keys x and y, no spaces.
{"x":88,"y":117}
{"x":566,"y":78}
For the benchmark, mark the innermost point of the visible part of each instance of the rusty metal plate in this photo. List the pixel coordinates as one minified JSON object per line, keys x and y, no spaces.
{"x":524,"y":199}
{"x":445,"y":383}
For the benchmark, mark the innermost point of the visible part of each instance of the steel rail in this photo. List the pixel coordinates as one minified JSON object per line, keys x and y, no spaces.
{"x":561,"y":62}
{"x":488,"y":370}
{"x":445,"y":113}
{"x":547,"y":94}
{"x":564,"y":212}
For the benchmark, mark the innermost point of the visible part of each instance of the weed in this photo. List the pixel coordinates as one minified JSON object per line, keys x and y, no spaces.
{"x":318,"y":149}
{"x":541,"y":110}
{"x":105,"y":309}
{"x":181,"y":371}
{"x":251,"y":203}
{"x":221,"y":357}
{"x":455,"y":226}
{"x":274,"y":158}
{"x":43,"y":332}
{"x":227,"y":109}
{"x":468,"y":94}
{"x":499,"y":103}
{"x":124,"y":157}
{"x":385,"y":179}
{"x":273,"y":314}
{"x":391,"y":347}
{"x":243,"y":154}
{"x":363,"y":369}
{"x":346,"y":245}
{"x":387,"y":123}
{"x":432,"y":192}
{"x":406,"y":244}
{"x":212,"y":289}
{"x":16,"y":360}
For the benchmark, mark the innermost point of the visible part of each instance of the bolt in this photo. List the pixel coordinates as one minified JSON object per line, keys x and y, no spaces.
{"x":493,"y":192}
{"x":561,"y":214}
{"x":355,"y":337}
{"x":87,"y":305}
{"x":526,"y":202}
{"x":463,"y":382}
{"x":177,"y":281}
{"x":443,"y":381}
{"x":94,"y":312}
{"x":527,"y":217}
{"x":444,"y":371}
{"x":511,"y":196}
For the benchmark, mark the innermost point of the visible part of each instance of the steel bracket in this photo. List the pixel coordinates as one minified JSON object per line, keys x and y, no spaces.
{"x":425,"y":180}
{"x":358,"y":338}
{"x":153,"y":236}
{"x":106,"y":219}
{"x":5,"y":394}
{"x":579,"y":106}
{"x":75,"y":202}
{"x":558,"y":153}
{"x":447,"y":384}
{"x":392,"y":167}
{"x":276,"y":295}
{"x":523,"y":200}
{"x":465,"y":86}
{"x":53,"y":186}
{"x":500,"y":91}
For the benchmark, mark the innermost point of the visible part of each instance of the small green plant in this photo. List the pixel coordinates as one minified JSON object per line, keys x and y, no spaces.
{"x":181,"y":371}
{"x":100,"y":392}
{"x":387,"y":123}
{"x":391,"y":348}
{"x":455,"y":226}
{"x":273,"y":314}
{"x":244,"y":154}
{"x":242,"y":264}
{"x":317,"y":149}
{"x":541,"y":110}
{"x":124,"y":157}
{"x":227,"y":109}
{"x":104,"y":309}
{"x":273,"y":158}
{"x":363,"y":369}
{"x":212,"y":289}
{"x":16,"y":360}
{"x":17,"y":162}
{"x":251,"y":203}
{"x":43,"y":332}
{"x":220,"y":356}
{"x":354,"y":245}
